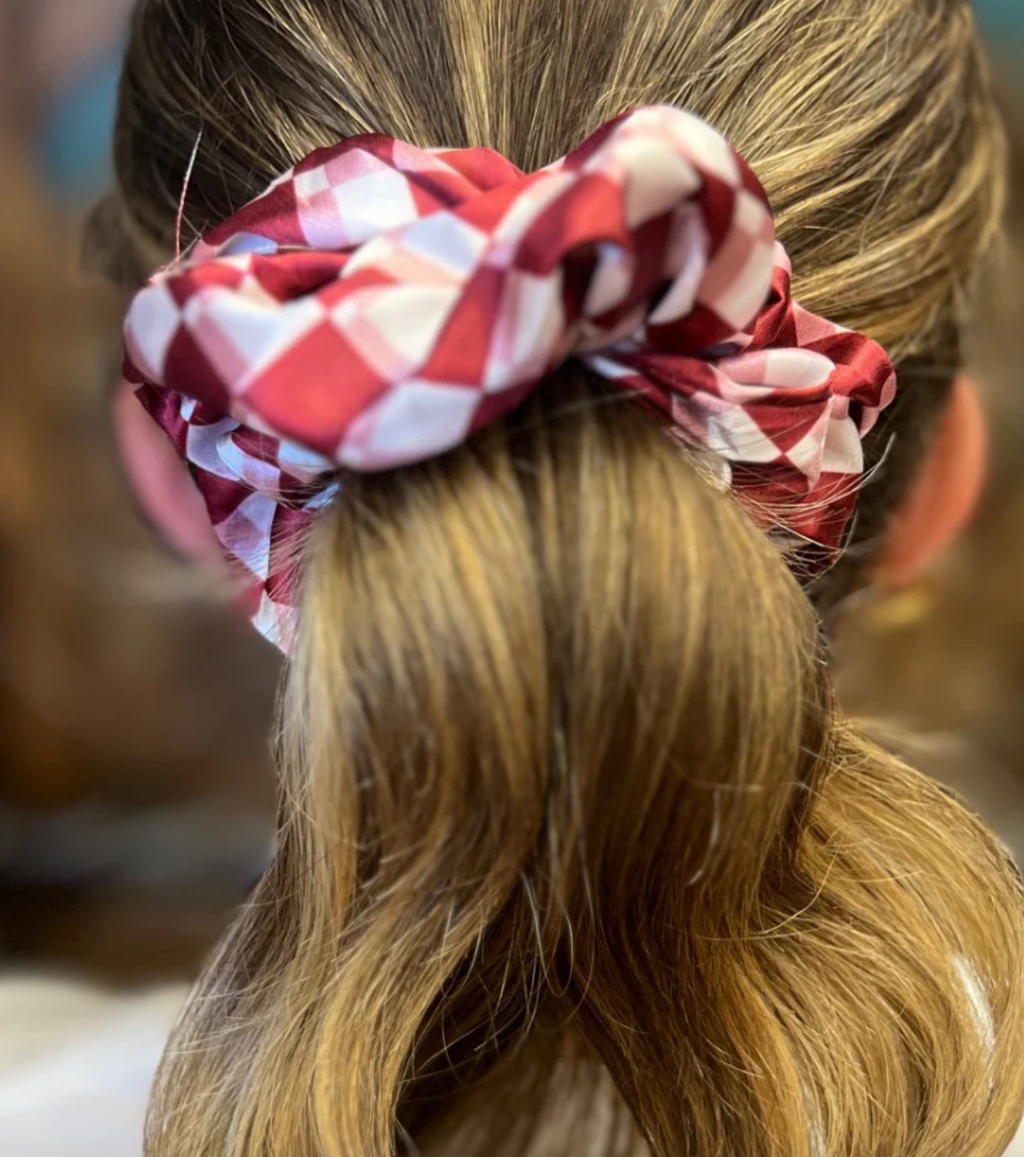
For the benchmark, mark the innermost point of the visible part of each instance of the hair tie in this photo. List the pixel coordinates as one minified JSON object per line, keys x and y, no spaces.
{"x":380,"y":303}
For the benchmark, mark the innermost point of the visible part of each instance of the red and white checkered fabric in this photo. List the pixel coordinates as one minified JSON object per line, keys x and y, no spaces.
{"x":380,"y":303}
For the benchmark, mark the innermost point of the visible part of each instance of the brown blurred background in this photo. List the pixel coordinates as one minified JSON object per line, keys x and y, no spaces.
{"x":940,"y":667}
{"x":136,"y":793}
{"x":135,"y":786}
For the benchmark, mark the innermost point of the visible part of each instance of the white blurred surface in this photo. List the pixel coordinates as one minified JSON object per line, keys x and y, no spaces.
{"x":76,"y":1067}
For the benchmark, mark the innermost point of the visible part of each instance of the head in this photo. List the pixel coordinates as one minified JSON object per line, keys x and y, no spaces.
{"x":577,"y":853}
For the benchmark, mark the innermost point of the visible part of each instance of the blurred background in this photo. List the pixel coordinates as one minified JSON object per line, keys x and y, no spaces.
{"x":136,"y":792}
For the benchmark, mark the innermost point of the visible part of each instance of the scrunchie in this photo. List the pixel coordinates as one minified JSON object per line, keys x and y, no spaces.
{"x":380,"y":303}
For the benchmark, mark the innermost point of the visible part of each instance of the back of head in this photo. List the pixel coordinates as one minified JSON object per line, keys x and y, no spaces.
{"x":871,"y":126}
{"x":577,"y":854}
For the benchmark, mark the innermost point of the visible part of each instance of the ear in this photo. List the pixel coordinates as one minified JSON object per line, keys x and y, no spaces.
{"x":165,"y":492}
{"x":944,"y":494}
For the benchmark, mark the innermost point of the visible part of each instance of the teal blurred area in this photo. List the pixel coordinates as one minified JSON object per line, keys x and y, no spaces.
{"x":74,"y":142}
{"x":1001,"y":18}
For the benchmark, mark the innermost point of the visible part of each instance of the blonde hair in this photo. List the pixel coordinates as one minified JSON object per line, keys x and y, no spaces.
{"x":577,"y":853}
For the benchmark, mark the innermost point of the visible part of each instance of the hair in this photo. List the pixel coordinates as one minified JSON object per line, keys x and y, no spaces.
{"x":577,"y":854}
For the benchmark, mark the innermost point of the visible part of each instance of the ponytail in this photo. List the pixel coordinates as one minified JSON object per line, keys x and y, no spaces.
{"x":576,"y":850}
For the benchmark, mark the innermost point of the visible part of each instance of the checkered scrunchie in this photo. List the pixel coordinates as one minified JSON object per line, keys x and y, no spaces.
{"x":380,"y":303}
